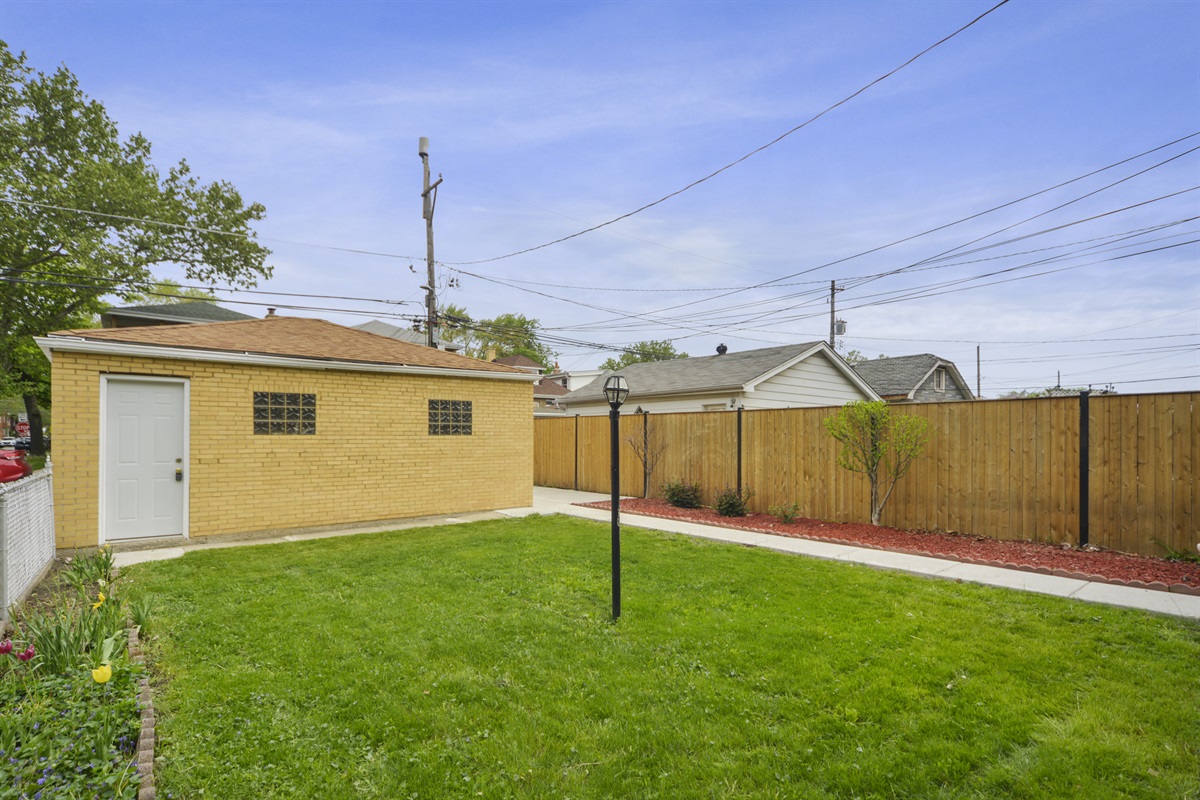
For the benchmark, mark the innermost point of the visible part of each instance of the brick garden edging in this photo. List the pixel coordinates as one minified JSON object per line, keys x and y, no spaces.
{"x":1177,"y":588}
{"x":145,"y":745}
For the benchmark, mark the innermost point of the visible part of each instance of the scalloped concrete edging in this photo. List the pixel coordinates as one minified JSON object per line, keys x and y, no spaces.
{"x":1177,"y":588}
{"x":145,"y":745}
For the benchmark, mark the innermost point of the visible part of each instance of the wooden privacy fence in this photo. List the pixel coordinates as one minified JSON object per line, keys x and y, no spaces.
{"x":1008,"y":469}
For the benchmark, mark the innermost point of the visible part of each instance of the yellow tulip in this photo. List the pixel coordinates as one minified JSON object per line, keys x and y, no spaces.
{"x":102,"y":673}
{"x":99,"y":602}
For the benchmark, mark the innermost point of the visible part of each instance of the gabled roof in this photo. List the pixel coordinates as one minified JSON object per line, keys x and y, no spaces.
{"x":731,"y":371}
{"x":275,"y":338}
{"x":184,"y":313}
{"x":902,"y":375}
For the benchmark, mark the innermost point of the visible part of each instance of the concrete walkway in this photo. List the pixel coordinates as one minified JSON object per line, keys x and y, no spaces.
{"x":561,"y":501}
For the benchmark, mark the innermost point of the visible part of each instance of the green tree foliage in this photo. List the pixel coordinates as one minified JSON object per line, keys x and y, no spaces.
{"x":879,"y":444}
{"x":166,"y":292}
{"x":855,"y":357}
{"x":61,"y":154}
{"x":507,"y":334}
{"x":1050,"y":391}
{"x":651,"y":350}
{"x":457,"y":326}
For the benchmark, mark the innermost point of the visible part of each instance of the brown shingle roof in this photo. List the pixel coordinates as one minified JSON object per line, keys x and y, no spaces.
{"x":293,"y":337}
{"x":545,"y":387}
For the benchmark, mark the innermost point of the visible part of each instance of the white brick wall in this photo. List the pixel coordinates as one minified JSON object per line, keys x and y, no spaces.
{"x":26,"y":536}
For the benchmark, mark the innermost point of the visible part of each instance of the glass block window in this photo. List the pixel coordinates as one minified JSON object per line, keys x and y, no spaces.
{"x":287,"y":413}
{"x":449,"y":417}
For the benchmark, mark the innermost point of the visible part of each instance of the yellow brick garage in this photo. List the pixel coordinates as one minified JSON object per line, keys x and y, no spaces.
{"x":372,"y":456}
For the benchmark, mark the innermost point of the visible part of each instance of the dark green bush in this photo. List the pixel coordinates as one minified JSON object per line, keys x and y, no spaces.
{"x":731,"y":502}
{"x":682,"y":494}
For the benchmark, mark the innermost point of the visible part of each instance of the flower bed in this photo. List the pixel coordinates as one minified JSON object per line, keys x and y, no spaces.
{"x":1096,"y":565}
{"x":69,"y":691}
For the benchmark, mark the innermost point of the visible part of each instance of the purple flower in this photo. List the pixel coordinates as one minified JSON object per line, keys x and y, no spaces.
{"x":27,"y":655}
{"x":5,"y":647}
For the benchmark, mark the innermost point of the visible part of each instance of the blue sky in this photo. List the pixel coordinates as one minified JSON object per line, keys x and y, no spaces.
{"x":548,"y":118}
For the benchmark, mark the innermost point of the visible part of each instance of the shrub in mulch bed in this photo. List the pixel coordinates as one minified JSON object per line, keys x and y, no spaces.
{"x":1090,"y":564}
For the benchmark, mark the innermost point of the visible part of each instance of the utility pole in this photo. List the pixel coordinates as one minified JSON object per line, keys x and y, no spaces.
{"x":429,"y":201}
{"x":833,"y":290}
{"x":978,"y":376}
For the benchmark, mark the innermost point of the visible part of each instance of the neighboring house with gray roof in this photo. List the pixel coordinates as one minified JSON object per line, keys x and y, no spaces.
{"x":789,"y":376}
{"x":520,"y":362}
{"x":924,"y":378}
{"x":186,"y":313}
{"x":402,"y":334}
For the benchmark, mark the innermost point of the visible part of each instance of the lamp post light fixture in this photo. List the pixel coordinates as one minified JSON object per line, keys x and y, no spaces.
{"x":616,"y":389}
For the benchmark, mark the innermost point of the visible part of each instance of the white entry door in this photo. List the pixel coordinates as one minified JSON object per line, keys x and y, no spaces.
{"x":144,"y":461}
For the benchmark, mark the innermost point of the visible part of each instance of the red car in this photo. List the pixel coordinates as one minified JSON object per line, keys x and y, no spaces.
{"x":13,"y":466}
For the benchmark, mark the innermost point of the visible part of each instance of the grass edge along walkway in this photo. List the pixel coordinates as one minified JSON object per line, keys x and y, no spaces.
{"x":478,"y":661}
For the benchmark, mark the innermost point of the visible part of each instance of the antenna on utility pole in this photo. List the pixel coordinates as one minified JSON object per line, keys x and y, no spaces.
{"x":429,"y":201}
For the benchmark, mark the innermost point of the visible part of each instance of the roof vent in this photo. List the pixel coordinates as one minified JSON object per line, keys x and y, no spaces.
{"x":722,"y":349}
{"x":270,"y":312}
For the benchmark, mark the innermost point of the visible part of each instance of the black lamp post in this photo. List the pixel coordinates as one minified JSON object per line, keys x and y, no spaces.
{"x":616,"y":389}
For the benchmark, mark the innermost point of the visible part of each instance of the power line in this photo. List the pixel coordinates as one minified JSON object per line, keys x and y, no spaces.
{"x":1168,"y":349}
{"x":819,"y":293}
{"x":994,"y":244}
{"x":360,"y":312}
{"x":922,"y":262}
{"x":138,"y":284}
{"x":912,"y":237}
{"x":198,"y":229}
{"x":1059,"y":207}
{"x":732,"y":290}
{"x":1136,"y":380}
{"x":615,"y":232}
{"x":734,"y":163}
{"x":1026,"y":341}
{"x":895,"y":295}
{"x":822,"y":283}
{"x":926,"y":291}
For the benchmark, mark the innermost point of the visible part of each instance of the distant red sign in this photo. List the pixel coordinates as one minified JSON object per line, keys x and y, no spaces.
{"x":23,"y":428}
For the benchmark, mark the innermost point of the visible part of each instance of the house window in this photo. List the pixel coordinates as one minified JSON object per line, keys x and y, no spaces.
{"x":286,"y":413}
{"x":939,"y":380}
{"x":449,"y":417}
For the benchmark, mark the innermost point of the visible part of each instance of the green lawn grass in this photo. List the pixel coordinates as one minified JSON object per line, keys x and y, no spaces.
{"x":479,"y":661}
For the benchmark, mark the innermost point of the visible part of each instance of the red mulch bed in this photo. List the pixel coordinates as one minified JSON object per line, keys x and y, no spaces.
{"x":1106,"y":566}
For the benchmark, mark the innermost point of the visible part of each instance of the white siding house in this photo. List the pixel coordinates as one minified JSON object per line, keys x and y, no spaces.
{"x":791,"y":376}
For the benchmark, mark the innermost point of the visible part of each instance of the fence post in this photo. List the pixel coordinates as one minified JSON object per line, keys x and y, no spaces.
{"x":739,"y":452}
{"x":577,"y":452}
{"x":1084,"y":420}
{"x":4,"y":558}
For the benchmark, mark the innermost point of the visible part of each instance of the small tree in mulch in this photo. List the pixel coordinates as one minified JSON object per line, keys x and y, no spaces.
{"x":879,"y":444}
{"x":649,"y":449}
